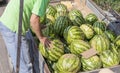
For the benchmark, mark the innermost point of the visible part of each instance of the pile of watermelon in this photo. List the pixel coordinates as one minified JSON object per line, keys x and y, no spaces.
{"x":72,"y":34}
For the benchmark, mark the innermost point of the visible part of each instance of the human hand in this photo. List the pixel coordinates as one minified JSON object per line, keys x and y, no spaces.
{"x":45,"y":41}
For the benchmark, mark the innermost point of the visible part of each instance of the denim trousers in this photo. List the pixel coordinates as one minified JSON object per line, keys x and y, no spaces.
{"x":10,"y":39}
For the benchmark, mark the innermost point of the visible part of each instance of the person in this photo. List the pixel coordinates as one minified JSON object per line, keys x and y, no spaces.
{"x":33,"y":11}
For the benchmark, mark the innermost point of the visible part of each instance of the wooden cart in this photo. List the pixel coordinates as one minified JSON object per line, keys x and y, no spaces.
{"x":86,"y":7}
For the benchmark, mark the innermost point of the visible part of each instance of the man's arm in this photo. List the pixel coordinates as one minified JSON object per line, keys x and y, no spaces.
{"x":36,"y":27}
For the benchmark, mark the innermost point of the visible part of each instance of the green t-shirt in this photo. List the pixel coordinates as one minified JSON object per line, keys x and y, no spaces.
{"x":10,"y":17}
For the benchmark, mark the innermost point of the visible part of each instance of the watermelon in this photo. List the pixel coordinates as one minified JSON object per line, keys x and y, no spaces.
{"x":54,"y":52}
{"x":100,"y":43}
{"x":110,"y":35}
{"x":114,"y":48}
{"x":57,"y":15}
{"x":66,"y":72}
{"x":109,"y":58}
{"x":51,"y":10}
{"x":76,"y":17}
{"x":117,"y":41}
{"x":49,"y":31}
{"x":87,"y":30}
{"x":91,"y":18}
{"x":72,"y":33}
{"x":63,"y":72}
{"x":79,"y":46}
{"x":68,"y":63}
{"x":61,"y":10}
{"x":99,"y":27}
{"x":60,"y":24}
{"x":50,"y":19}
{"x":91,"y":63}
{"x":119,"y":53}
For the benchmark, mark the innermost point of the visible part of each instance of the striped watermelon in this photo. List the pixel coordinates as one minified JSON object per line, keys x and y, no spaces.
{"x":60,"y":24}
{"x":99,"y":27}
{"x":57,"y":15}
{"x":50,"y":13}
{"x":72,"y":33}
{"x":91,"y":63}
{"x":76,"y":17}
{"x":50,"y":18}
{"x":119,"y":53}
{"x":87,"y":30}
{"x":49,"y":31}
{"x":61,"y":10}
{"x":110,"y":35}
{"x":109,"y":58}
{"x":51,"y":10}
{"x":63,"y":72}
{"x":79,"y":46}
{"x":100,"y":43}
{"x":66,"y":72}
{"x":114,"y":48}
{"x":91,"y":18}
{"x":53,"y":53}
{"x":117,"y":41}
{"x":68,"y":63}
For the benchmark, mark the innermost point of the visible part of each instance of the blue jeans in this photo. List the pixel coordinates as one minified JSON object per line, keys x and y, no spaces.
{"x":10,"y":39}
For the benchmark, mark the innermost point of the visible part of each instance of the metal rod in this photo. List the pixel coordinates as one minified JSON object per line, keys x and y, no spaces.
{"x":19,"y":37}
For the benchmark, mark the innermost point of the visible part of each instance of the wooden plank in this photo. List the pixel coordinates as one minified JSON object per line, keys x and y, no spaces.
{"x":115,"y":69}
{"x":4,"y":60}
{"x":43,"y":65}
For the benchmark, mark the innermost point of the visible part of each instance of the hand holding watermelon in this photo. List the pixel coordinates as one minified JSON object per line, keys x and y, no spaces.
{"x":45,"y":41}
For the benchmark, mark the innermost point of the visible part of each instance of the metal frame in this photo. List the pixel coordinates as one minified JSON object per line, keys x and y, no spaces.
{"x":102,"y":14}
